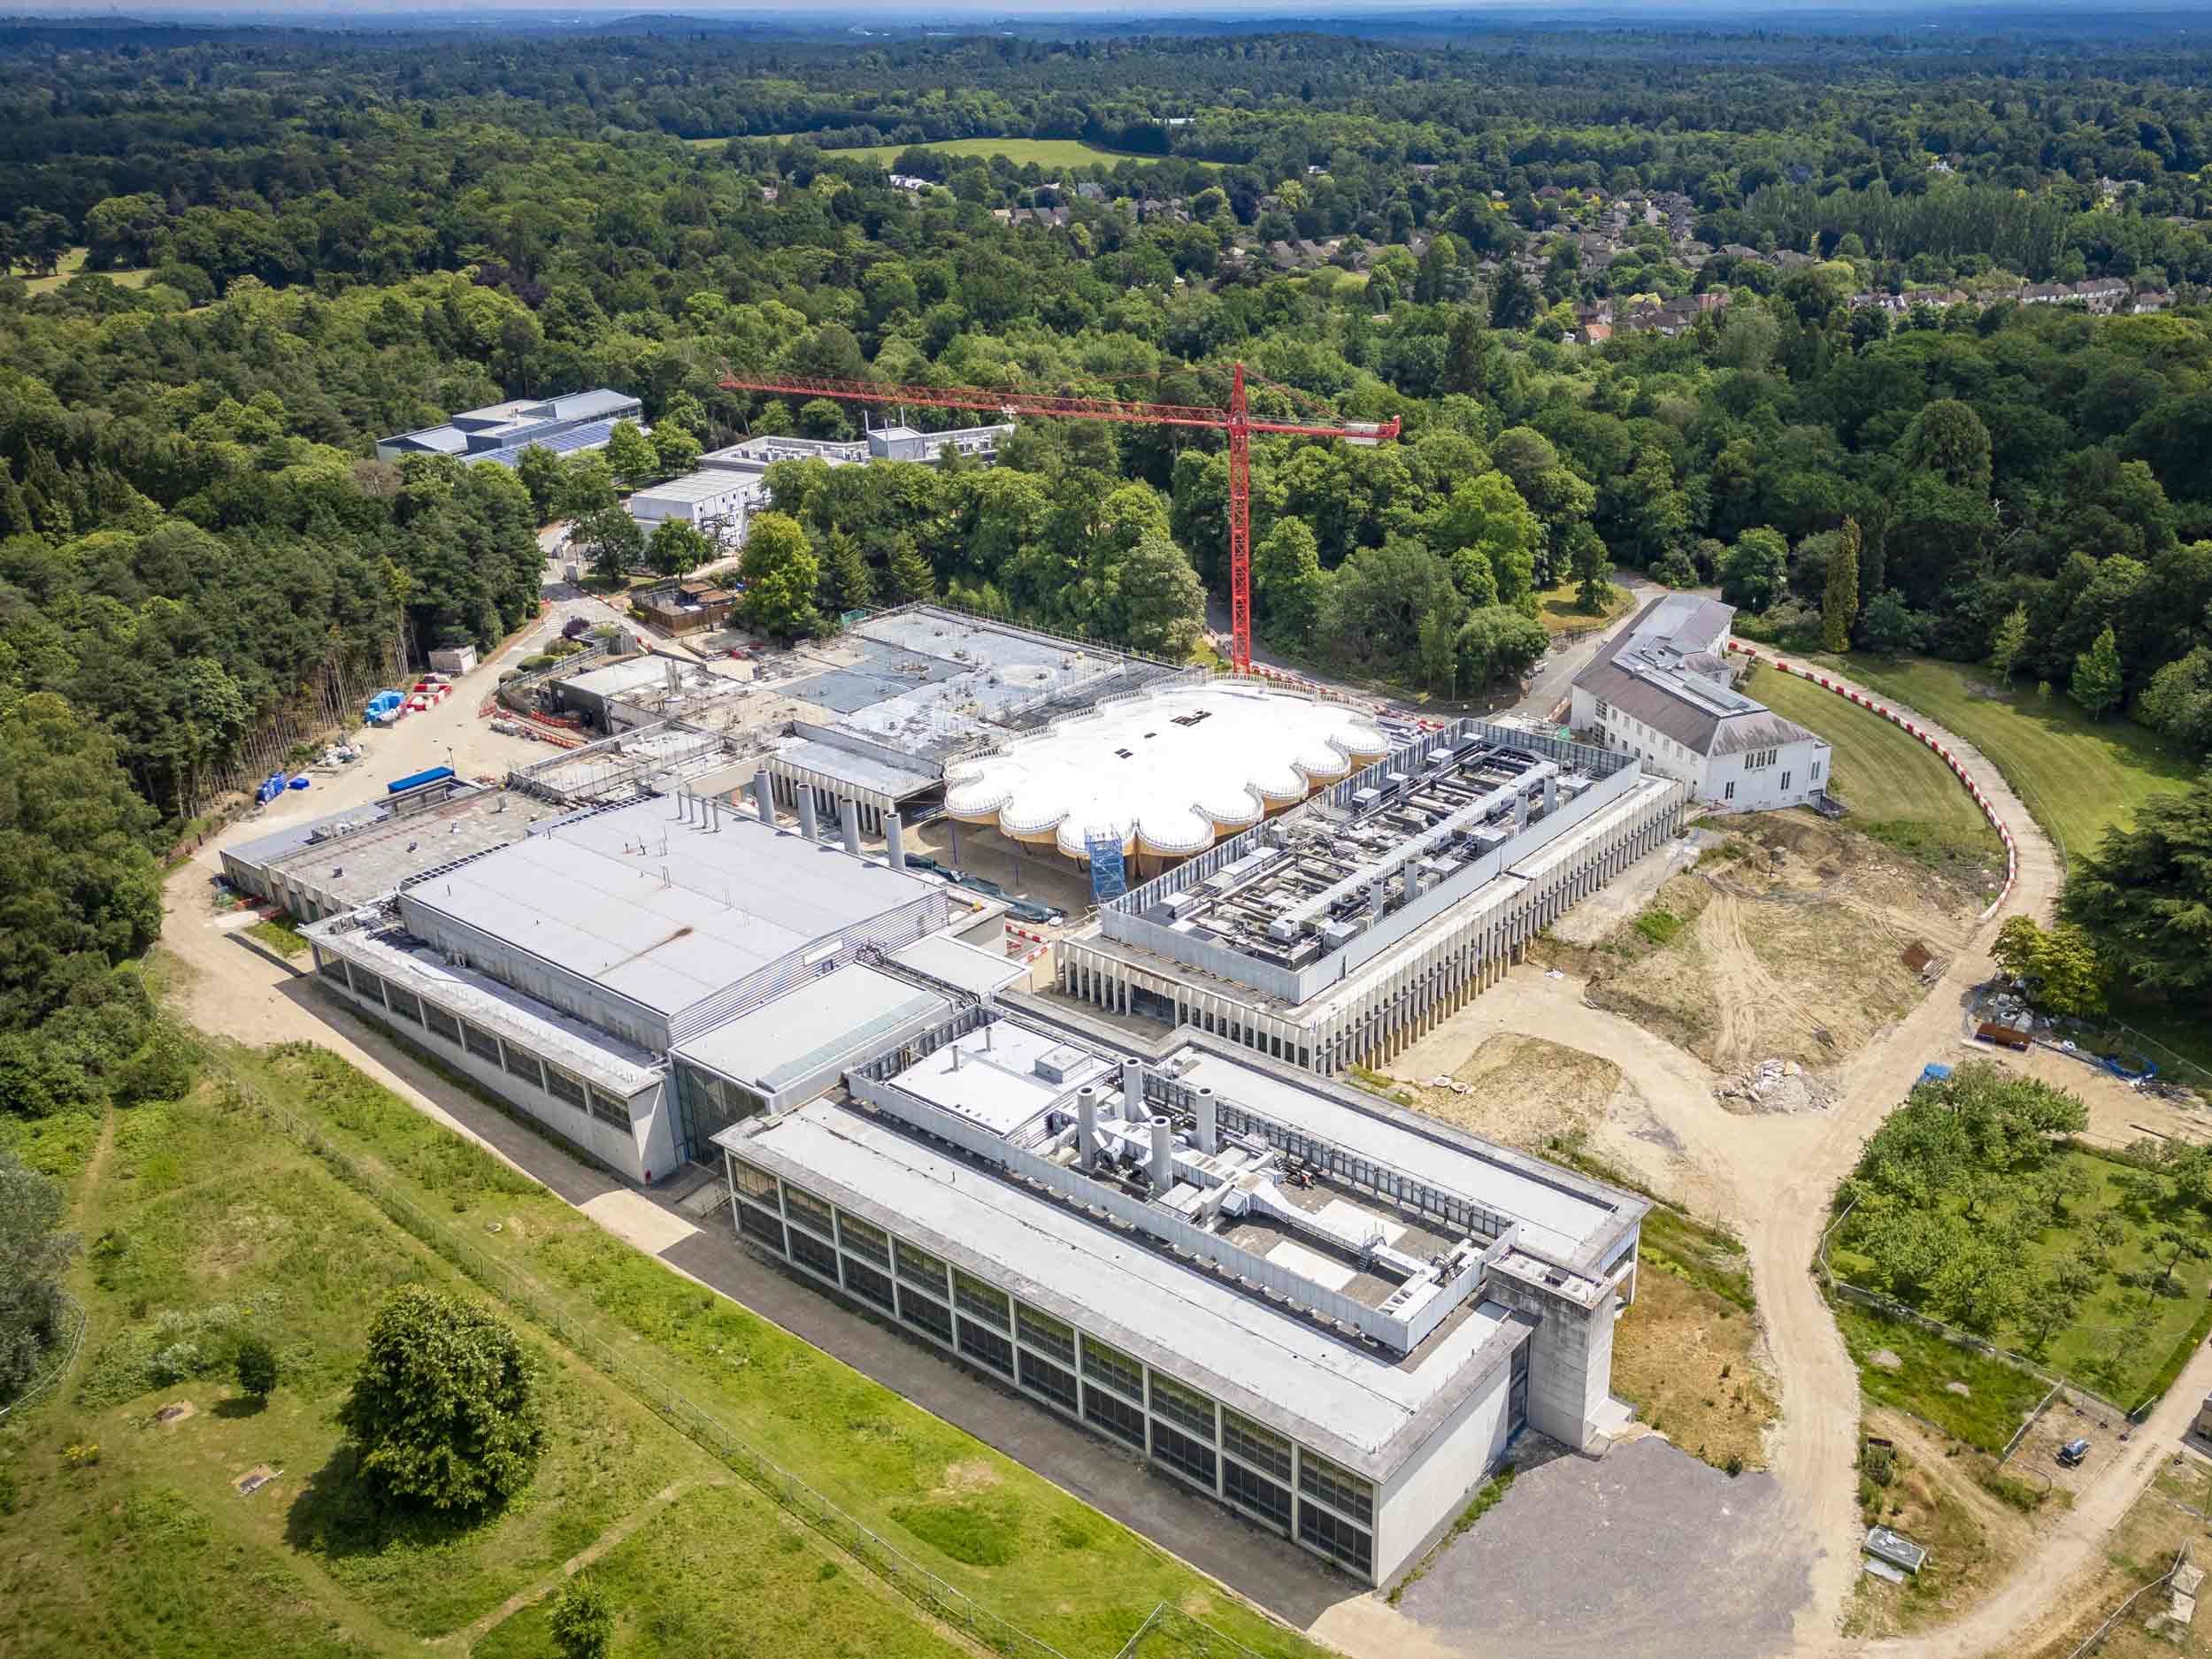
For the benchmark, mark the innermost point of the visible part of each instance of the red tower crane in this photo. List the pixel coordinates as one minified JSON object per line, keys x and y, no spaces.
{"x":1234,"y":420}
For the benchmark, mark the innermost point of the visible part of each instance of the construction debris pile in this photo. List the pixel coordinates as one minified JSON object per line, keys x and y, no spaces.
{"x":1778,"y":1085}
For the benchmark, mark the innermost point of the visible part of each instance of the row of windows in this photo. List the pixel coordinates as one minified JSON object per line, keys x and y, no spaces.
{"x":516,"y":1061}
{"x":1260,"y":1462}
{"x":1112,"y":1366}
{"x":1187,"y":1406}
{"x":1043,"y":1331}
{"x":803,"y":1206}
{"x":1337,"y":1486}
{"x":862,"y":1239}
{"x":1262,"y":1449}
{"x":1338,"y":1538}
{"x":975,"y":1297}
{"x":1255,"y":1492}
{"x":752,"y":1181}
{"x":1117,"y":1418}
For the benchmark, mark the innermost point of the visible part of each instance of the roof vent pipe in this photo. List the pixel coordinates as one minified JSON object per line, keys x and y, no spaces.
{"x":1087,"y":1125}
{"x":809,"y":826}
{"x":848,"y":816}
{"x":763,"y":797}
{"x":894,"y":844}
{"x":1208,"y":1121}
{"x":1161,"y":1168}
{"x":1132,"y":1090}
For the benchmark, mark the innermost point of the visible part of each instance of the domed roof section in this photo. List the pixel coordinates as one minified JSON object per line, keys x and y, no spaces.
{"x":1168,"y":773}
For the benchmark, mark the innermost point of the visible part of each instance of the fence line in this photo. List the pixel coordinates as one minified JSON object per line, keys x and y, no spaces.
{"x":932,"y":1595}
{"x":1194,"y":1638}
{"x":2098,"y":1635}
{"x":53,"y":1374}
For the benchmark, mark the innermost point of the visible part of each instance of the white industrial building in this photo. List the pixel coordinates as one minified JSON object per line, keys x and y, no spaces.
{"x":713,"y":501}
{"x":501,"y":432}
{"x":1342,"y":931}
{"x":1328,"y":1315}
{"x":1663,"y":690}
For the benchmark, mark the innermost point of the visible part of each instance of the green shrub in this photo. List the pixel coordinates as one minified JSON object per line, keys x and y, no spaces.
{"x":1658,"y":926}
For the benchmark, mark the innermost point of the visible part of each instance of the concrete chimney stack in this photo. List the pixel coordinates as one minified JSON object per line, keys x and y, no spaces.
{"x":809,"y":826}
{"x":1551,"y":791}
{"x":848,"y":816}
{"x":1087,"y":1126}
{"x":763,"y":797}
{"x":1208,"y":1121}
{"x":1161,"y":1168}
{"x":1520,"y":811}
{"x":894,"y":843}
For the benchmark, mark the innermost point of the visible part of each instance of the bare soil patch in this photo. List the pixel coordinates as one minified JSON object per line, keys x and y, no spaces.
{"x":1791,"y":945}
{"x":1521,"y":1090}
{"x":1691,"y":1363}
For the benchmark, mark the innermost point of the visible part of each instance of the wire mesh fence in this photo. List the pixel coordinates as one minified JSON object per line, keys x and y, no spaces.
{"x":75,"y":1313}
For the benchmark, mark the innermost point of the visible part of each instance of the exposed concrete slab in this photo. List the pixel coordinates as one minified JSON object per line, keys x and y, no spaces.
{"x":634,"y":1216}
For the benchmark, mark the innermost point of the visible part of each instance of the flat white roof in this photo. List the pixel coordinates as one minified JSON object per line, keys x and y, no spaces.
{"x":968,"y":966}
{"x":697,"y":486}
{"x":662,"y":911}
{"x":784,"y":1041}
{"x":617,"y":678}
{"x":1559,"y":1217}
{"x":1269,"y":1363}
{"x":990,"y":1077}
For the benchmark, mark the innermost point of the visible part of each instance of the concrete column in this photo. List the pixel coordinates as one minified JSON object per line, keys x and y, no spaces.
{"x":809,"y":826}
{"x":894,"y":843}
{"x":763,"y":796}
{"x":1087,"y":1125}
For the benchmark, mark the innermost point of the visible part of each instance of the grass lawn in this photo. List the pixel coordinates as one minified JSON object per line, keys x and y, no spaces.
{"x":72,"y":264}
{"x":2079,"y":776}
{"x":1898,"y":791}
{"x":1560,"y":609}
{"x":1997,"y":1399}
{"x":1019,"y":1545}
{"x":1046,"y":152}
{"x":2117,"y":1344}
{"x":203,"y":1225}
{"x":280,"y":935}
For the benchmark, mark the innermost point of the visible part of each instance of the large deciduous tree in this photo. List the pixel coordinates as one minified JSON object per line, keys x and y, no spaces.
{"x":443,"y":1412}
{"x":781,"y":577}
{"x":2097,"y":683}
{"x":32,"y":1252}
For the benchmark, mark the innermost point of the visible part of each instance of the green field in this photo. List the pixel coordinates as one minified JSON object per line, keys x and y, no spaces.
{"x":2123,"y":1332}
{"x":2078,"y":776}
{"x":1046,"y":152}
{"x":216,"y":1205}
{"x":1998,"y":1396}
{"x":1899,"y":792}
{"x":72,"y":264}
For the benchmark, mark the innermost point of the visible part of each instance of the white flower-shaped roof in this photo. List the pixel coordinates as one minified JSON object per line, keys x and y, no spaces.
{"x":1168,"y":771}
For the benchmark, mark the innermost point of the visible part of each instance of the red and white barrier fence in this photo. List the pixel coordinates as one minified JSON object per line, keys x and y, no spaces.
{"x":1981,"y":800}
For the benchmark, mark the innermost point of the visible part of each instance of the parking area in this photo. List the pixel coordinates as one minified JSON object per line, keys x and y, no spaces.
{"x":1643,"y":1553}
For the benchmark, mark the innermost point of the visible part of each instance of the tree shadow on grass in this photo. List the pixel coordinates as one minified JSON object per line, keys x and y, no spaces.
{"x":338,"y":1514}
{"x":241,"y":1406}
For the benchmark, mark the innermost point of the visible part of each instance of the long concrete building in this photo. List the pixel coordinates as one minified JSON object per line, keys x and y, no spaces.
{"x":1326,"y":1315}
{"x":1344,"y":930}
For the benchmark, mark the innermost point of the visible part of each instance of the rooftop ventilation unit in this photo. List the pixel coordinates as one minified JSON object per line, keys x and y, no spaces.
{"x":1057,"y":1065}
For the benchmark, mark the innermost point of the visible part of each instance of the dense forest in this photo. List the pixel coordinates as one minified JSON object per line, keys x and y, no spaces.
{"x":279,"y":246}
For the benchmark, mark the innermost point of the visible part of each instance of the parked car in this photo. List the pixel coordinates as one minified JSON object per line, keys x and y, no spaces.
{"x":2070,"y":1455}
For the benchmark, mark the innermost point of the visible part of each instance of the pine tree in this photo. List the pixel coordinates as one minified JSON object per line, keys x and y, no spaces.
{"x":2096,"y":684}
{"x":851,"y":585}
{"x":1839,"y":603}
{"x":1588,"y":559}
{"x":908,"y":572}
{"x":2010,"y":644}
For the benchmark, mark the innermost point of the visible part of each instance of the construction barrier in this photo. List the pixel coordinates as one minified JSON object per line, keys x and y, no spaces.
{"x":1981,"y":800}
